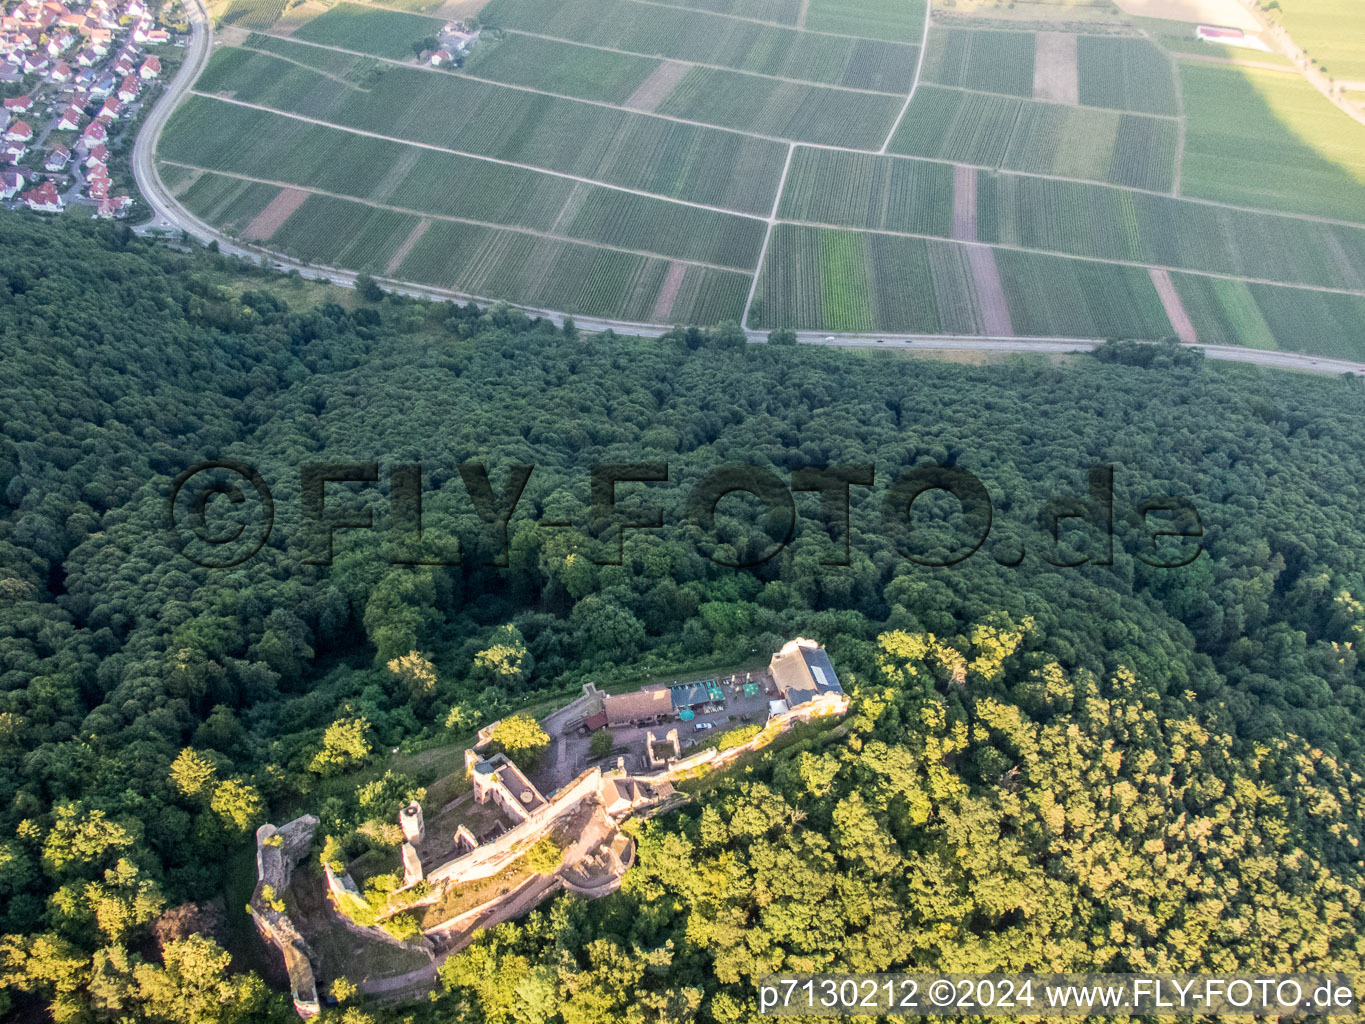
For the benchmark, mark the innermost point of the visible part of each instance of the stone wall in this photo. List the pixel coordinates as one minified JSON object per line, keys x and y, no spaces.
{"x":278,"y":851}
{"x":492,"y":857}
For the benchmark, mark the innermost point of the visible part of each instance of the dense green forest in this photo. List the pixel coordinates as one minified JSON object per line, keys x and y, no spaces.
{"x":1104,"y":766}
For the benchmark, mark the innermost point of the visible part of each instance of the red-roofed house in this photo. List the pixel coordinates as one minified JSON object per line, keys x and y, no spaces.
{"x":114,"y":206}
{"x":127,"y":90}
{"x":70,"y":120}
{"x":13,"y":152}
{"x":44,"y":199}
{"x":61,"y":72}
{"x":111,"y":107}
{"x":98,"y":156}
{"x":98,"y":188}
{"x":19,"y":131}
{"x":11,"y":181}
{"x":94,"y":134}
{"x":58,"y":158}
{"x":19,"y":104}
{"x":151,"y":67}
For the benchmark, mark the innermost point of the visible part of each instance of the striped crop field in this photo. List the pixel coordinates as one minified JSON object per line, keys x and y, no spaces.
{"x":787,"y":110}
{"x":1268,"y":316}
{"x":578,"y":71}
{"x":988,"y":61}
{"x":688,"y":161}
{"x":704,"y":38}
{"x":1126,"y":74}
{"x":781,"y":12}
{"x":949,"y":124}
{"x":418,"y":180}
{"x":854,"y":281}
{"x":228,"y":202}
{"x":1111,"y":223}
{"x":1054,"y":295}
{"x":562,"y":275}
{"x":252,"y":14}
{"x":863,"y":190}
{"x":616,"y":147}
{"x":370,"y":30}
{"x":901,"y":20}
{"x":1096,"y":145}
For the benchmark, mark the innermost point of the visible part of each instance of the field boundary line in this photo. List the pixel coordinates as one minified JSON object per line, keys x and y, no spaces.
{"x":1054,"y":103}
{"x":428,"y":214}
{"x":493,"y":83}
{"x":674,"y":7}
{"x":1182,"y":126}
{"x":770,"y":24}
{"x":298,"y":63}
{"x":801,"y":15}
{"x":747,"y":215}
{"x":1115,"y":261}
{"x":767,"y":237}
{"x":683,"y":60}
{"x":914,"y":84}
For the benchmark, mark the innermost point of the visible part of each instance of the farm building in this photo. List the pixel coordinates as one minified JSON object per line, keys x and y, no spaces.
{"x":803,"y":673}
{"x":643,"y":707}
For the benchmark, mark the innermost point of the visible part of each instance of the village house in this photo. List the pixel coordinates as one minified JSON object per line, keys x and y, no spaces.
{"x":61,"y":72}
{"x":643,"y":707}
{"x":127,"y":90}
{"x":11,"y":182}
{"x":19,"y":131}
{"x":12,"y":152}
{"x":111,"y":107}
{"x":94,"y":134}
{"x":71,"y":119}
{"x":19,"y":104}
{"x":44,"y":199}
{"x":58,"y":158}
{"x":97,"y":157}
{"x":115,"y":206}
{"x":151,"y":67}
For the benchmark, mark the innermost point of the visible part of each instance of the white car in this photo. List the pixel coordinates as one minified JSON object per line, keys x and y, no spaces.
{"x":703,"y":726}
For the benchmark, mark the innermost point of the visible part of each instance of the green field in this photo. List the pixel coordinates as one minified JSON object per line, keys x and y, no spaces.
{"x":994,"y":132}
{"x":578,"y":71}
{"x":255,"y":14}
{"x":1332,"y":32}
{"x":901,"y":20}
{"x":711,"y":39}
{"x":1268,"y":139}
{"x":765,"y":106}
{"x":988,"y":61}
{"x":621,"y":158}
{"x":1126,"y":74}
{"x":368,"y":30}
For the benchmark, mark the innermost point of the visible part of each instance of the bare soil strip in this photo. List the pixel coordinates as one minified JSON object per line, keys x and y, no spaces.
{"x":1055,"y":75}
{"x":1175,"y":309}
{"x":279,"y":210}
{"x":185,"y":185}
{"x":655,"y":89}
{"x":663,"y":308}
{"x":964,"y":203}
{"x":990,"y":293}
{"x":396,"y":260}
{"x":400,"y":170}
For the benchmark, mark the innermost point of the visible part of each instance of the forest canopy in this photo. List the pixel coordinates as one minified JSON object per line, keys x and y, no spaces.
{"x":1104,"y":766}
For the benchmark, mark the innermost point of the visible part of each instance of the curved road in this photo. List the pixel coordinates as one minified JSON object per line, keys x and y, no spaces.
{"x":169,"y":216}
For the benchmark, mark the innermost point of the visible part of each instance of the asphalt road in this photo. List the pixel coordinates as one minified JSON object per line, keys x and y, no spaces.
{"x":170,"y":217}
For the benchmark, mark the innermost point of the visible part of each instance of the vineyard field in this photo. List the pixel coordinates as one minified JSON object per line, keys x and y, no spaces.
{"x":343,"y":234}
{"x":371,"y":30}
{"x":1094,"y":145}
{"x":229,"y":202}
{"x":1126,"y":74}
{"x":901,"y":20}
{"x":989,"y":61}
{"x":564,"y":68}
{"x":965,"y":127}
{"x":782,"y":12}
{"x":803,"y":113}
{"x":691,"y":35}
{"x":616,"y":147}
{"x":859,"y":190}
{"x":1055,"y":295}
